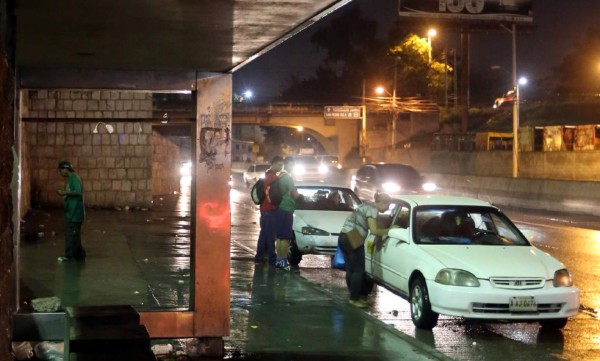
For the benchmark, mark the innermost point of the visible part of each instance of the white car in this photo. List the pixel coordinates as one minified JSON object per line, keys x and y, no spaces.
{"x":463,"y":257}
{"x":254,"y":172}
{"x":318,"y":221}
{"x":309,"y":168}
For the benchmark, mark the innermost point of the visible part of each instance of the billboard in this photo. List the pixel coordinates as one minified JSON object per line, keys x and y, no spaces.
{"x":518,"y":11}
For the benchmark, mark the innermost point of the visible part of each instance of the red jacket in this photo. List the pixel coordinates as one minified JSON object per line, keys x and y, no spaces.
{"x":266,"y":206}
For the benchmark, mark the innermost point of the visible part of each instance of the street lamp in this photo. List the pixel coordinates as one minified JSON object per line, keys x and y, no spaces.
{"x":380,"y":91}
{"x":516,"y":101}
{"x":430,"y":34}
{"x":300,"y":129}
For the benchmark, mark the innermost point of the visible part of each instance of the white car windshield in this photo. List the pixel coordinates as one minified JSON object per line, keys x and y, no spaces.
{"x":326,"y":199}
{"x":465,"y":225}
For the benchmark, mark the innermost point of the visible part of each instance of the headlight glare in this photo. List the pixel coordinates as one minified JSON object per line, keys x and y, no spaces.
{"x":314,"y":231}
{"x":323,"y":168}
{"x":456,"y":277}
{"x":391,"y":187}
{"x":429,"y":187}
{"x":562,"y":278}
{"x":299,"y":169}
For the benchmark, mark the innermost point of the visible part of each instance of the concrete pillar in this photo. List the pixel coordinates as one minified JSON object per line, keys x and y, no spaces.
{"x":212,"y":210}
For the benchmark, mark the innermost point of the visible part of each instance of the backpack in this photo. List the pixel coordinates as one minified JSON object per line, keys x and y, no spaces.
{"x":258,"y":191}
{"x":273,"y":191}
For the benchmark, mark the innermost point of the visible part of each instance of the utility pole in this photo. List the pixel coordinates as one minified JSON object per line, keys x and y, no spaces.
{"x":394,"y":110}
{"x":364,"y":123}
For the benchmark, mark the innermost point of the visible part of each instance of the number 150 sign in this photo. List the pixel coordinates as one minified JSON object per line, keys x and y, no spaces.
{"x":495,"y":10}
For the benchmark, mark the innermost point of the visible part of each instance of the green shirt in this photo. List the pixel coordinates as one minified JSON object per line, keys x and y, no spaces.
{"x":286,"y":184}
{"x":74,"y":208}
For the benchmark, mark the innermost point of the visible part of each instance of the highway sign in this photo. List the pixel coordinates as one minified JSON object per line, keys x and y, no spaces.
{"x":342,"y":112}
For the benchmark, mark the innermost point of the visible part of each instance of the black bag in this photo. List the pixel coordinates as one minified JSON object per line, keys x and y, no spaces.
{"x":257,"y":193}
{"x":274,"y":193}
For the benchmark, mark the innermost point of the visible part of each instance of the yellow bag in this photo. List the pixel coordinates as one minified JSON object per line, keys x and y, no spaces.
{"x":356,"y":239}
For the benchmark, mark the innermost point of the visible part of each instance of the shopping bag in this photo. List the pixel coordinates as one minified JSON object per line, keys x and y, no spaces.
{"x":355,"y":238}
{"x":338,"y":260}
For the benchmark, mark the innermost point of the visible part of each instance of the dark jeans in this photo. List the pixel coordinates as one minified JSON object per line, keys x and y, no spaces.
{"x":356,"y":281}
{"x":73,"y":247}
{"x":266,"y":237}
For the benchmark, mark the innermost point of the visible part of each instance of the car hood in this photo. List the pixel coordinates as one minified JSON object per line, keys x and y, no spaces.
{"x":330,"y":221}
{"x":496,"y":261}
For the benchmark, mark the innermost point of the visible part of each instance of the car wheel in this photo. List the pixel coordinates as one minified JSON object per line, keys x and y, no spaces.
{"x":294,"y":255}
{"x":420,"y":307}
{"x":553,"y":323}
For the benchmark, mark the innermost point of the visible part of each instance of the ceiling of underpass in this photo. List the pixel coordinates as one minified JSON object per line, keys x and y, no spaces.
{"x":199,"y":35}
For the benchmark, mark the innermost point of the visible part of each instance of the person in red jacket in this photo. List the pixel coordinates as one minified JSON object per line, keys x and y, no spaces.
{"x":266,"y":237}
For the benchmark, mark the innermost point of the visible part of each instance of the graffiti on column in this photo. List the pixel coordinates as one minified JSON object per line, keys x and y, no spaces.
{"x":215,"y":135}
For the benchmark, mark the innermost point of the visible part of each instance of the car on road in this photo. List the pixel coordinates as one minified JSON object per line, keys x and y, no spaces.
{"x":392,"y":178}
{"x":318,"y":220}
{"x":332,"y":161}
{"x":463,"y":257}
{"x":309,"y":168}
{"x":254,"y":172}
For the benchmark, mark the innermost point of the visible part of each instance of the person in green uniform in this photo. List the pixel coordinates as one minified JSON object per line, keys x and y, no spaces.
{"x":284,"y":214}
{"x":74,"y":213}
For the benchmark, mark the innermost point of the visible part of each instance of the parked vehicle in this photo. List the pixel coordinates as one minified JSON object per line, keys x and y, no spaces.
{"x":392,"y":178}
{"x":254,"y":172}
{"x":318,"y":220}
{"x":463,"y":257}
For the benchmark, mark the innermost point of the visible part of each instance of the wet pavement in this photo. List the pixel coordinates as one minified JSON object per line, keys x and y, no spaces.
{"x":141,"y":258}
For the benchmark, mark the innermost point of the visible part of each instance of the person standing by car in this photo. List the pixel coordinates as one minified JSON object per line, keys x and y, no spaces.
{"x":74,"y":213}
{"x":266,"y":237}
{"x":284,"y":215}
{"x":362,"y":220}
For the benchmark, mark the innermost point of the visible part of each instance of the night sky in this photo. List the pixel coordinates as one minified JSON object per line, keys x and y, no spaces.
{"x":558,"y":24}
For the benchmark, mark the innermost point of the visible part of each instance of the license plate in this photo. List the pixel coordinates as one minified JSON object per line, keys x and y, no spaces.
{"x":520,"y":304}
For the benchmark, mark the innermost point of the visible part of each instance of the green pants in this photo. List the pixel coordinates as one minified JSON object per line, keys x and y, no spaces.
{"x":73,"y":247}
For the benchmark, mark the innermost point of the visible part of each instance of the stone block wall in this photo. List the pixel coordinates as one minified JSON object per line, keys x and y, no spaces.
{"x":116,"y":168}
{"x":166,"y":164}
{"x":82,"y":104}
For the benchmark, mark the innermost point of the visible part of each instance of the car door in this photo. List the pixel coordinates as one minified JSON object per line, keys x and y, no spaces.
{"x":390,"y":262}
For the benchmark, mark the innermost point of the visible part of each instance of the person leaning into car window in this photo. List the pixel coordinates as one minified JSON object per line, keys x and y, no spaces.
{"x":363,"y":219}
{"x":266,"y":237}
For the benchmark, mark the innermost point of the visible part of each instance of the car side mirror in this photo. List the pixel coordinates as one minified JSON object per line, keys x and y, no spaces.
{"x":401,"y":234}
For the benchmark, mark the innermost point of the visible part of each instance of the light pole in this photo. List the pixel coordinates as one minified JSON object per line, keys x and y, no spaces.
{"x":300,"y":129}
{"x":364,"y":123}
{"x":516,"y":102}
{"x":380,"y":90}
{"x":430,"y":33}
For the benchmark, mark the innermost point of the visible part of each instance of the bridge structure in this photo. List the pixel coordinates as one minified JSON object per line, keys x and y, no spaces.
{"x":337,"y":136}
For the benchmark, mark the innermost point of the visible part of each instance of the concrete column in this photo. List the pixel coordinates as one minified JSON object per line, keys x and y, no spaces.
{"x":212,"y":211}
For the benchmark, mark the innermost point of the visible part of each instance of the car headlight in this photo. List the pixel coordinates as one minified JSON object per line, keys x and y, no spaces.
{"x":429,"y":187}
{"x":323,"y":168}
{"x":299,"y":169}
{"x":262,"y":176}
{"x":456,"y":277}
{"x":391,"y":187}
{"x":562,"y":278}
{"x":311,"y":231}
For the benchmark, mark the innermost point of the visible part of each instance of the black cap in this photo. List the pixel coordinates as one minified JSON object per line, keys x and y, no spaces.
{"x":65,"y":165}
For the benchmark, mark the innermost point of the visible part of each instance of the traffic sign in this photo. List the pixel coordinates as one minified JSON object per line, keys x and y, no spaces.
{"x":342,"y":112}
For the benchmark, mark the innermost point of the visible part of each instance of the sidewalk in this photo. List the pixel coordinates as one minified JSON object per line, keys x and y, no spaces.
{"x":275,"y":315}
{"x":278,"y":315}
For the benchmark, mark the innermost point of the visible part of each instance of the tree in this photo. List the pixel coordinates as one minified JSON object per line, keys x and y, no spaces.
{"x":416,"y":73}
{"x":579,"y":72}
{"x":352,"y":54}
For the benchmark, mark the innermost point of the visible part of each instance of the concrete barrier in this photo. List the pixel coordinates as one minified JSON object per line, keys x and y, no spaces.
{"x":543,"y":194}
{"x":577,"y":197}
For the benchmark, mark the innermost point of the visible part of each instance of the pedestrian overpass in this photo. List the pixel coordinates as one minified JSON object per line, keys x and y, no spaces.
{"x":337,"y":136}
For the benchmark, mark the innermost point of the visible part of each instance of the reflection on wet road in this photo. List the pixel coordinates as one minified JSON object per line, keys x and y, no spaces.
{"x":573,"y":240}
